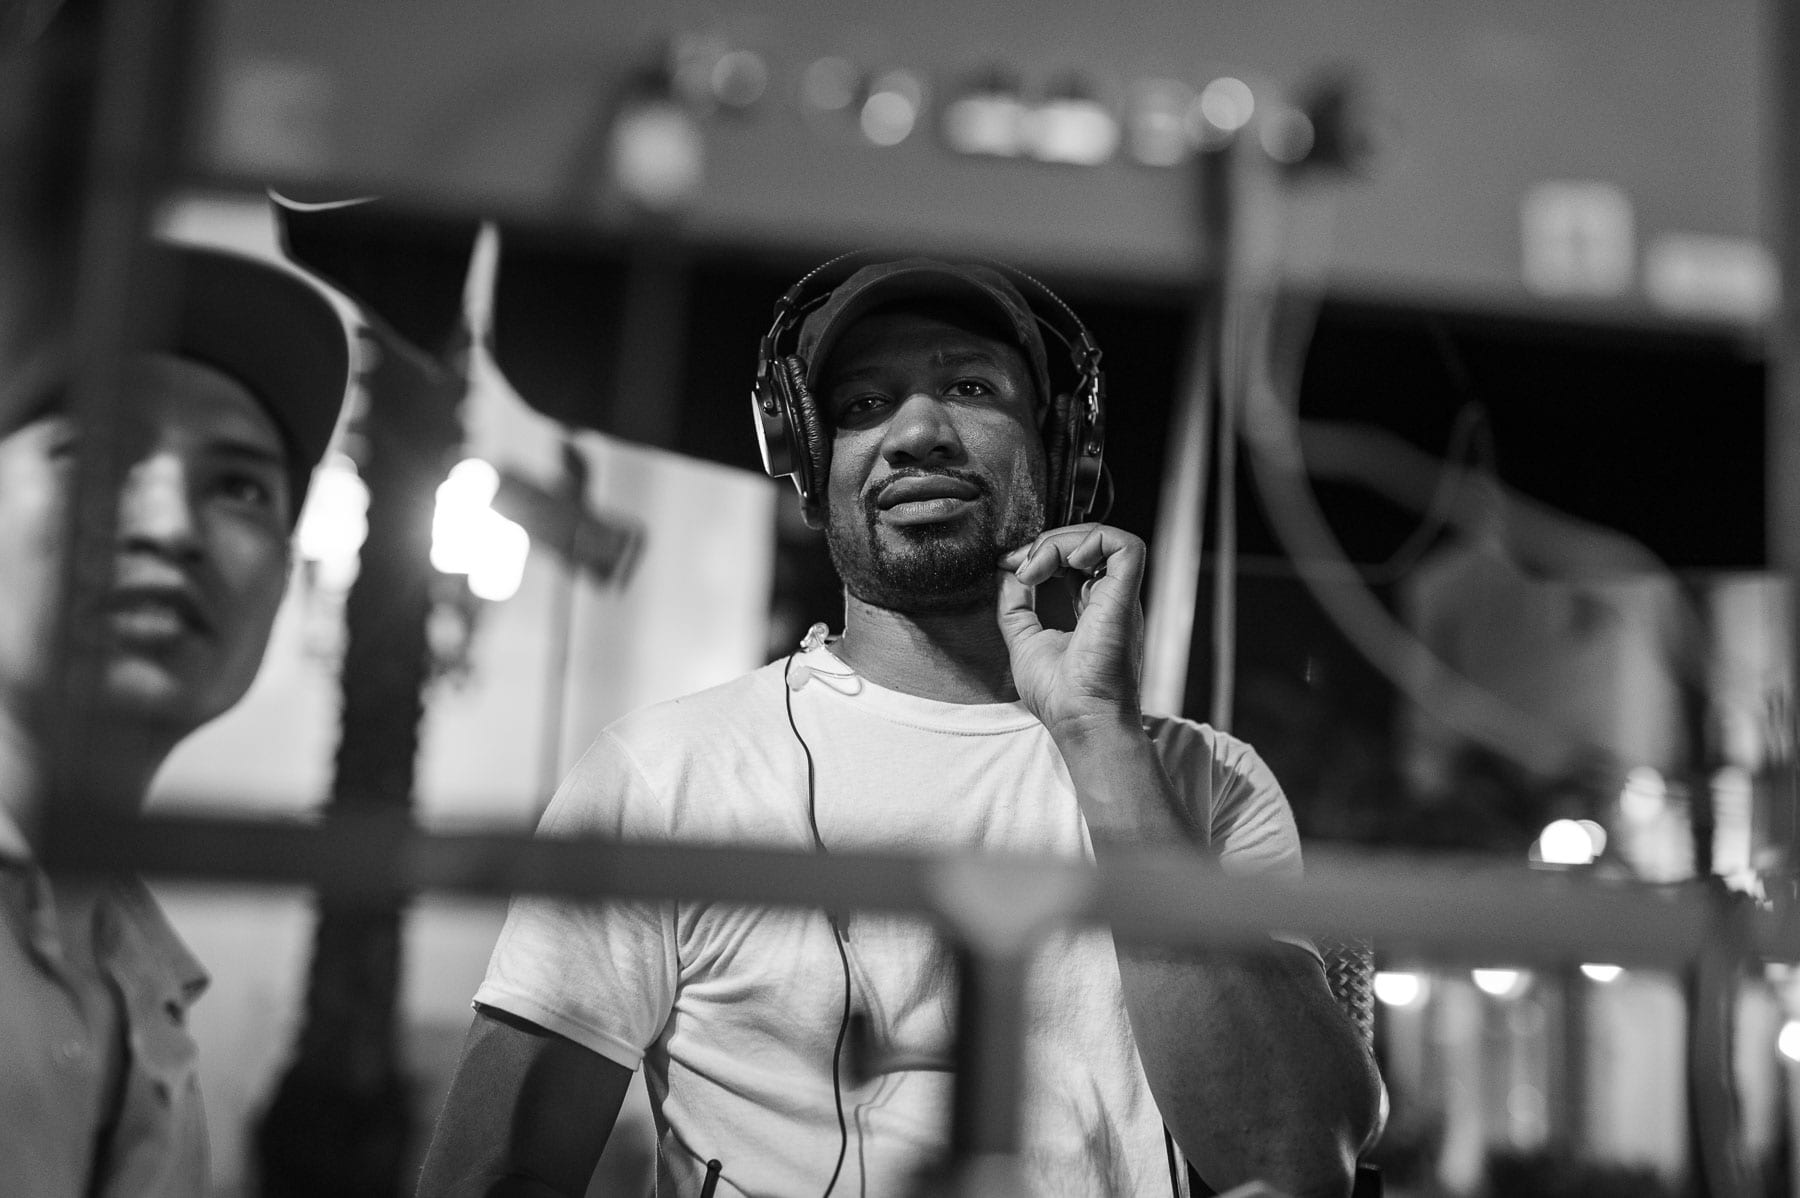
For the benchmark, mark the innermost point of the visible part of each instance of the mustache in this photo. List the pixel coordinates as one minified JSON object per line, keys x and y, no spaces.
{"x":871,"y":499}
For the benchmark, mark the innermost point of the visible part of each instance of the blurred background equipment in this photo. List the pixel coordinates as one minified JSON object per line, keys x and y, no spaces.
{"x":1574,"y":138}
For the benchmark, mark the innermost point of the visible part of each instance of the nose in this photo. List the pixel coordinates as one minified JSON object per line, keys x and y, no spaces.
{"x":921,"y":430}
{"x":156,"y":508}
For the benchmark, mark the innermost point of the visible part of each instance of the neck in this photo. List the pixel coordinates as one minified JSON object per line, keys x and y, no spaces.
{"x":953,"y":657}
{"x":115,"y":767}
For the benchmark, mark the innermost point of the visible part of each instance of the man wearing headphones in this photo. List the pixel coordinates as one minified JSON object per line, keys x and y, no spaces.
{"x":228,"y":401}
{"x":916,"y":411}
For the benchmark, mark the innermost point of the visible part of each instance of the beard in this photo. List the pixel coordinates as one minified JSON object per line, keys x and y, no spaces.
{"x":932,"y":568}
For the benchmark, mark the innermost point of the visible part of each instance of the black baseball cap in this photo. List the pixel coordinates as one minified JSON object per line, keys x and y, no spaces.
{"x":273,"y":331}
{"x":263,"y":325}
{"x":921,"y":278}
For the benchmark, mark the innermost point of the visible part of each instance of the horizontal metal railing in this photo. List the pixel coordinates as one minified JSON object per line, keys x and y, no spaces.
{"x":1457,"y":908}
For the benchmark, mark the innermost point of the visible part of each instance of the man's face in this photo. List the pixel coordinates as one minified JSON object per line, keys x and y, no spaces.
{"x":200,"y":553}
{"x":936,"y":463}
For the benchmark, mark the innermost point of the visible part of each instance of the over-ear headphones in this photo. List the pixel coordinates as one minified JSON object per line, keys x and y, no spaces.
{"x":796,"y":442}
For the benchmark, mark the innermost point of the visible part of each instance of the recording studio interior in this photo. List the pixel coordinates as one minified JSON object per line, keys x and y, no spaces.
{"x":1449,"y":382}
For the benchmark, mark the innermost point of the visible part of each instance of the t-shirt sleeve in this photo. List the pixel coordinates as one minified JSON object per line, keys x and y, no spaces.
{"x":1252,"y":824}
{"x":1230,"y":791}
{"x":602,"y":974}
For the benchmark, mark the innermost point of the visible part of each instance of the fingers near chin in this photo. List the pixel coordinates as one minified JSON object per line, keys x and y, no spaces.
{"x":1015,"y":595}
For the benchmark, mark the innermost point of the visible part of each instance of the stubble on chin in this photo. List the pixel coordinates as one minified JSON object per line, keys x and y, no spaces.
{"x":932,"y":568}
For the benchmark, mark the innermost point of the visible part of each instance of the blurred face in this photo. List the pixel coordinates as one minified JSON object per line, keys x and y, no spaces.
{"x":37,"y":463}
{"x":200,"y":554}
{"x":936,"y":463}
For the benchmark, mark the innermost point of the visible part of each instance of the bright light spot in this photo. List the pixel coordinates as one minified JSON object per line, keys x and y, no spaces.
{"x":739,"y":78}
{"x":1525,"y":1103}
{"x":1227,"y":104}
{"x":1398,"y":989}
{"x":1158,"y":135}
{"x":1788,"y":1041}
{"x":888,"y":118}
{"x":1076,"y":131}
{"x":334,"y":522}
{"x":985,"y":123}
{"x":1733,"y":791}
{"x":892,"y":109}
{"x":658,"y":158}
{"x":829,"y":85}
{"x":1501,"y":983}
{"x":469,"y":537}
{"x":1644,"y":796}
{"x":1287,"y":137}
{"x":1571,"y":842}
{"x":1602,"y":973}
{"x":499,"y":566}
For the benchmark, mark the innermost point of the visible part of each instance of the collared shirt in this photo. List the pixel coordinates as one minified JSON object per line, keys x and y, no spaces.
{"x":98,"y":1078}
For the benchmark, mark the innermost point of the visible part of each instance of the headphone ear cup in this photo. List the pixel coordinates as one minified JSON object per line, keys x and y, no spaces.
{"x":811,"y":445}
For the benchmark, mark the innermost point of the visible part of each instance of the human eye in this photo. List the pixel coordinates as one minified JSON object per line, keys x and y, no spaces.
{"x":971,"y":388}
{"x":859,"y":408}
{"x":251,"y":489}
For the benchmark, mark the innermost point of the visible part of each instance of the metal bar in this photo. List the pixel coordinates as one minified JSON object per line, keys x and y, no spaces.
{"x":1472,"y":910}
{"x":990,"y":1055}
{"x":1180,"y":534}
{"x":1782,"y":182}
{"x":1179,"y":538}
{"x":134,"y":138}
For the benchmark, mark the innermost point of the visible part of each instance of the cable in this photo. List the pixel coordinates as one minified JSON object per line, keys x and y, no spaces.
{"x":838,"y":936}
{"x":1271,"y":433}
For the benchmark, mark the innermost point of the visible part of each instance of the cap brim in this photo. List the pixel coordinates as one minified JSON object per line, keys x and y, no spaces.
{"x":890,"y":282}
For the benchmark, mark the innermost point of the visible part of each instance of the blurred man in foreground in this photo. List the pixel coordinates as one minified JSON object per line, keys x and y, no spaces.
{"x":224,"y":409}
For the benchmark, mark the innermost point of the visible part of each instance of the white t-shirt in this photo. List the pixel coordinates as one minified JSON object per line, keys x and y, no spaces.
{"x":734,"y":1010}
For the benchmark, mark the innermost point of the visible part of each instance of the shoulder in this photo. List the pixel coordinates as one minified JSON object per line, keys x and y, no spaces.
{"x":1231,"y":791}
{"x":747,"y":702}
{"x":1187,"y":745}
{"x":659,"y":769}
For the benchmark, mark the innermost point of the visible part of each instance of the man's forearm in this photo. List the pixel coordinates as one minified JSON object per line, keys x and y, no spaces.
{"x":1256,"y":1070}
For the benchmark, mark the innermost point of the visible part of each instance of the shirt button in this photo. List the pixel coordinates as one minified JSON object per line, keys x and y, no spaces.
{"x":71,"y":1052}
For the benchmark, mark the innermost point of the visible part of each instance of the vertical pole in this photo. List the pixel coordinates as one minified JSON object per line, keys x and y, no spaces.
{"x":990,"y":1054}
{"x":998,"y":921}
{"x":135,"y":53}
{"x":1781,"y":133}
{"x":341,"y":1119}
{"x":1782,"y":177}
{"x":1180,"y":535}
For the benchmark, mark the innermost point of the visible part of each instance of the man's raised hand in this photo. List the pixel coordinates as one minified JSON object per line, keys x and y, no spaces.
{"x":1086,"y":680}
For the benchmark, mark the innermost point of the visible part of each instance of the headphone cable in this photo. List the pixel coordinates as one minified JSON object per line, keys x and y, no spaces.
{"x":837,"y":938}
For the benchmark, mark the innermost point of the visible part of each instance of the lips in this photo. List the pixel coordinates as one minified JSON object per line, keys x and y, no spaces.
{"x":923,"y":488}
{"x":155,"y":612}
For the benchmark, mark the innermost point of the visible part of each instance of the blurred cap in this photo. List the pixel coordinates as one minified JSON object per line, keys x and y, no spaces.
{"x":271,"y":330}
{"x":921,"y":279}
